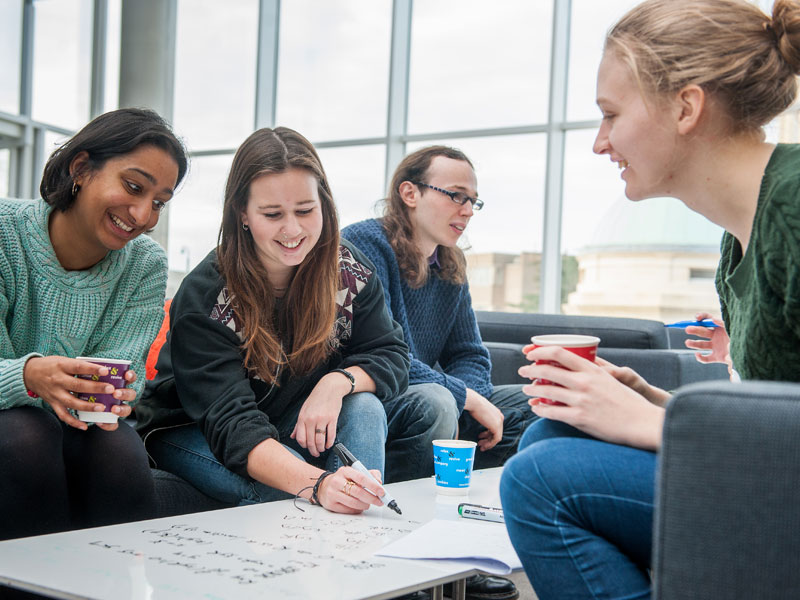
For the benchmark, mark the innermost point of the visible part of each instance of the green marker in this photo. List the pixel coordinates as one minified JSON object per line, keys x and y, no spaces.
{"x":483,"y":513}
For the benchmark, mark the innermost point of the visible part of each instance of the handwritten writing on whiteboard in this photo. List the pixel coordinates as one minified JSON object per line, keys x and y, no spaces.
{"x":297,"y":544}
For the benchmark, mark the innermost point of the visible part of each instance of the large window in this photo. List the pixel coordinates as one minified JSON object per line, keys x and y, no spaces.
{"x":478,"y":64}
{"x":10,"y":54}
{"x":510,"y":83}
{"x":333,"y":72}
{"x":62,"y":59}
{"x":215,"y":69}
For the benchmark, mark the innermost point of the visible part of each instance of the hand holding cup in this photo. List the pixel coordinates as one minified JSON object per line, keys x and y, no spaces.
{"x":115,"y":371}
{"x":584,"y":346}
{"x":54,"y":379}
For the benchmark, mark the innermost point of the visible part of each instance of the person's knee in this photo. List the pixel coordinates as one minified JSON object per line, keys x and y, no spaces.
{"x":362,"y":412}
{"x":436,"y":411}
{"x":33,"y":435}
{"x":545,"y":429}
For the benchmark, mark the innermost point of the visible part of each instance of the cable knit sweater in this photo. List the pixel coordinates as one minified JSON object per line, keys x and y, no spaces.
{"x":438,"y":322}
{"x":113,"y":309}
{"x":760,"y":291}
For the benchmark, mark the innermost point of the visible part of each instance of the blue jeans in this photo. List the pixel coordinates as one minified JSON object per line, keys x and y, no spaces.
{"x":427,"y":412}
{"x":517,"y":416}
{"x":580,"y":513}
{"x":184,"y":451}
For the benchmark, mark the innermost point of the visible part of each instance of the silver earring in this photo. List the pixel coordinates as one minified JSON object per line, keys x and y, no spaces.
{"x":245,"y":227}
{"x":75,"y":188}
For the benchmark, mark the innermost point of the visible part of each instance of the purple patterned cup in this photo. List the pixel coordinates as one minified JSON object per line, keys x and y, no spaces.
{"x":116,"y":377}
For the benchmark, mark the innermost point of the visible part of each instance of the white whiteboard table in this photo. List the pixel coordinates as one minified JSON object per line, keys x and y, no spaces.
{"x":262,"y":551}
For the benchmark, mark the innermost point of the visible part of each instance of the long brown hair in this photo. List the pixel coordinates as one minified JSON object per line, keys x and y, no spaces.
{"x":400,"y":230}
{"x":299,"y":335}
{"x":730,"y":48}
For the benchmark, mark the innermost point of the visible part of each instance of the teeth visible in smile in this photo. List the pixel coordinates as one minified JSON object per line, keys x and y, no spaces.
{"x":459,"y":227}
{"x":623,"y":164}
{"x":290,"y":245}
{"x":120,"y":224}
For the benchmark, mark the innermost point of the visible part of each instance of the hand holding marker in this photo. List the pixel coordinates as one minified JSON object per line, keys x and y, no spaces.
{"x":351,"y":461}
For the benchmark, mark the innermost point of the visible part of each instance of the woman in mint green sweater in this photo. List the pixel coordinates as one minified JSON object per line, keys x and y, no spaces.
{"x":77,"y":278}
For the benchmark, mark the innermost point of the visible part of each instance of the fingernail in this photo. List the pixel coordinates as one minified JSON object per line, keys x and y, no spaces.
{"x":99,"y":408}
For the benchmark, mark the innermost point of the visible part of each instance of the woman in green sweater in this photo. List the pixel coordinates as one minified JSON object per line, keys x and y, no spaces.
{"x":77,"y":278}
{"x":685,"y":88}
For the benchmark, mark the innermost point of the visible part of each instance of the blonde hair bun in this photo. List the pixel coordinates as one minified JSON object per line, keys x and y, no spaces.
{"x":785,"y":26}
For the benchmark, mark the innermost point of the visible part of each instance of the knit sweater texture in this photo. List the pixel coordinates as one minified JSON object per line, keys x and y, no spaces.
{"x":760,"y":291}
{"x":113,"y":310}
{"x":438,"y":322}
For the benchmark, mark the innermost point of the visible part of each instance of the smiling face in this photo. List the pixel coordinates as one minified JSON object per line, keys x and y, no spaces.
{"x":641,"y":137}
{"x":114,"y":204}
{"x":437,"y":219}
{"x":284,"y":215}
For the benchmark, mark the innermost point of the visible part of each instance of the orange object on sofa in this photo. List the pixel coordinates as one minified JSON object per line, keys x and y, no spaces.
{"x":155,"y":348}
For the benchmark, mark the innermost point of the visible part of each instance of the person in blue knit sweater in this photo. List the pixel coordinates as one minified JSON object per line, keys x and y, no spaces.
{"x":432,"y":197}
{"x":77,"y":278}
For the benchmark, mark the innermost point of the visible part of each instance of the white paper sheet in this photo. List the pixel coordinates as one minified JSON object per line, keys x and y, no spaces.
{"x":480,"y":544}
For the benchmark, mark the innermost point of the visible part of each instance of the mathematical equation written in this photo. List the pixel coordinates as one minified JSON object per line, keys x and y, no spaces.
{"x":294,"y":544}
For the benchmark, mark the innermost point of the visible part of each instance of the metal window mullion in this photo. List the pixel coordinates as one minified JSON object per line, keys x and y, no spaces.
{"x":550,"y":296}
{"x":23,"y":155}
{"x":269,"y":12}
{"x":99,"y":38}
{"x":38,"y":159}
{"x":397,"y":107}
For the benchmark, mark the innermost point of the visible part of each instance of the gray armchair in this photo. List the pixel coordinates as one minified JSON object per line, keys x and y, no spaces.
{"x":727,"y":521}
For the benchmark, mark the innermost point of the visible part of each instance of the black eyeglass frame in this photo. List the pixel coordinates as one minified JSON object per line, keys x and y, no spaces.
{"x":477,"y":203}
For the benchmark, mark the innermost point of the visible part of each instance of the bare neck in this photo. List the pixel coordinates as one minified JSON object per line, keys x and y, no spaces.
{"x":722,"y":181}
{"x":70,"y":245}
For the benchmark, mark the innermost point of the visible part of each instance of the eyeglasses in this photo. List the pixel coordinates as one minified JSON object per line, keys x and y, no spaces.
{"x":459,"y":198}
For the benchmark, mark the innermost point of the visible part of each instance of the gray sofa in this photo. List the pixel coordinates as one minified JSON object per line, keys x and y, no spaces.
{"x":649,"y":348}
{"x":727,"y":523}
{"x":642,"y":344}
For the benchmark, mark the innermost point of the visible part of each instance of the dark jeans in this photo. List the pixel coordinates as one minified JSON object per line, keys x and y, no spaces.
{"x":56,"y":477}
{"x":513,"y":403}
{"x":427,"y":412}
{"x":579,"y":513}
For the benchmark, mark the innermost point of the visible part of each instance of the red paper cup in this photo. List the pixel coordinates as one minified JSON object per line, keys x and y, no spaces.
{"x":584,"y":346}
{"x":116,"y":377}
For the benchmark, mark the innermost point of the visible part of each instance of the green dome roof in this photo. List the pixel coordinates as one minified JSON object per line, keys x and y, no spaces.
{"x":655,"y":224}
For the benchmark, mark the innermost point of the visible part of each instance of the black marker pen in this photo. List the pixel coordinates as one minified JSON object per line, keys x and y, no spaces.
{"x":351,"y":461}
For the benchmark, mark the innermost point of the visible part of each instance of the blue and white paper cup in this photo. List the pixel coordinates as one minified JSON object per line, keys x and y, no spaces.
{"x":452,"y":465}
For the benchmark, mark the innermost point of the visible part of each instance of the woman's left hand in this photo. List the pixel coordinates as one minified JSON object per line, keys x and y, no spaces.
{"x":316,"y":424}
{"x":593,"y":400}
{"x":126,"y":395}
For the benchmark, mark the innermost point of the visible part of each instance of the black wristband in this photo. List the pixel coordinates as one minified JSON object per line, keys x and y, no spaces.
{"x":315,"y":491}
{"x":349,"y":375}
